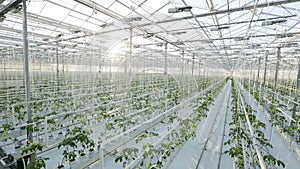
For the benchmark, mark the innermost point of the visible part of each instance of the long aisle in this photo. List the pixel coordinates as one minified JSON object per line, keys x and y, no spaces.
{"x":205,"y":151}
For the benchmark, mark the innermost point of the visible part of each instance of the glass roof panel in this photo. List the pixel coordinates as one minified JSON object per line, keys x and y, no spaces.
{"x":145,"y":9}
{"x":90,"y":26}
{"x":156,"y":6}
{"x":120,"y":9}
{"x":95,"y":21}
{"x":36,"y":7}
{"x":78,"y":16}
{"x":70,"y":15}
{"x":106,"y":3}
{"x":101,"y":16}
{"x":67,"y":3}
{"x":73,"y":20}
{"x":84,"y":9}
{"x":54,"y":12}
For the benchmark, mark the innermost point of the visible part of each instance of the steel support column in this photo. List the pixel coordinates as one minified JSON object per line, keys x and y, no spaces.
{"x":130,"y":55}
{"x":265,"y":71}
{"x":27,"y":78}
{"x":56,"y":56}
{"x":297,"y":92}
{"x":277,"y":68}
{"x":193,"y":64}
{"x":258,"y":71}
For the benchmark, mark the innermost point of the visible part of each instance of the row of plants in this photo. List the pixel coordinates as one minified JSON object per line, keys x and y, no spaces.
{"x":157,"y":155}
{"x":40,"y":114}
{"x":107,"y":109}
{"x":275,"y":106}
{"x":242,"y":148}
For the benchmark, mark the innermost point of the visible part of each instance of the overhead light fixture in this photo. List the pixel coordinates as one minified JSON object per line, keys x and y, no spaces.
{"x":16,"y":9}
{"x":256,"y":45}
{"x":178,"y":43}
{"x":180,"y":9}
{"x":2,"y":18}
{"x":207,"y":41}
{"x":291,"y":44}
{"x":251,"y":46}
{"x":148,"y":35}
{"x":106,"y":24}
{"x":297,"y":50}
{"x":133,"y":19}
{"x":178,"y":33}
{"x":219,"y":28}
{"x":159,"y":44}
{"x":262,"y":51}
{"x":241,"y":38}
{"x":76,"y":31}
{"x":266,"y":23}
{"x":59,"y":35}
{"x":284,"y":35}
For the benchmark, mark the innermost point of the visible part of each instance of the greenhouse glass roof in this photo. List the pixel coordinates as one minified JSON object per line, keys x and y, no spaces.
{"x":223,"y":34}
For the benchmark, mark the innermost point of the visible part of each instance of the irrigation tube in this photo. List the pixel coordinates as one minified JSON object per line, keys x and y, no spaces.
{"x":260,"y":157}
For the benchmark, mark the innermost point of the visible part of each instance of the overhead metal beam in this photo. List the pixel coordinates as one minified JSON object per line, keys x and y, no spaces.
{"x":9,"y":6}
{"x":99,"y":8}
{"x":296,"y":97}
{"x":188,"y":17}
{"x":241,"y":37}
{"x":27,"y":80}
{"x":277,"y":69}
{"x":262,"y":5}
{"x":49,"y":21}
{"x":2,"y":28}
{"x":226,"y":24}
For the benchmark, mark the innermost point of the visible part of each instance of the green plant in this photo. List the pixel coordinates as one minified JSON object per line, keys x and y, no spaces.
{"x":241,"y":142}
{"x":129,"y":153}
{"x":38,"y":162}
{"x":76,"y":138}
{"x":146,"y":135}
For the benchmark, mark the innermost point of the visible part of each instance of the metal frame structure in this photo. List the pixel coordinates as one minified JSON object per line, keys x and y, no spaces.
{"x":198,"y":26}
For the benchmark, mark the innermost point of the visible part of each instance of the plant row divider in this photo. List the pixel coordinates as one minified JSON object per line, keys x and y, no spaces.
{"x":259,"y":155}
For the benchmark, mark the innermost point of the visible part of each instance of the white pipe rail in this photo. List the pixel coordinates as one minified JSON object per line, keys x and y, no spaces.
{"x":252,"y":135}
{"x":285,"y":114}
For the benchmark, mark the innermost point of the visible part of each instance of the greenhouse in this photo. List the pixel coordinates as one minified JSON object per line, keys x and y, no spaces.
{"x":148,"y":84}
